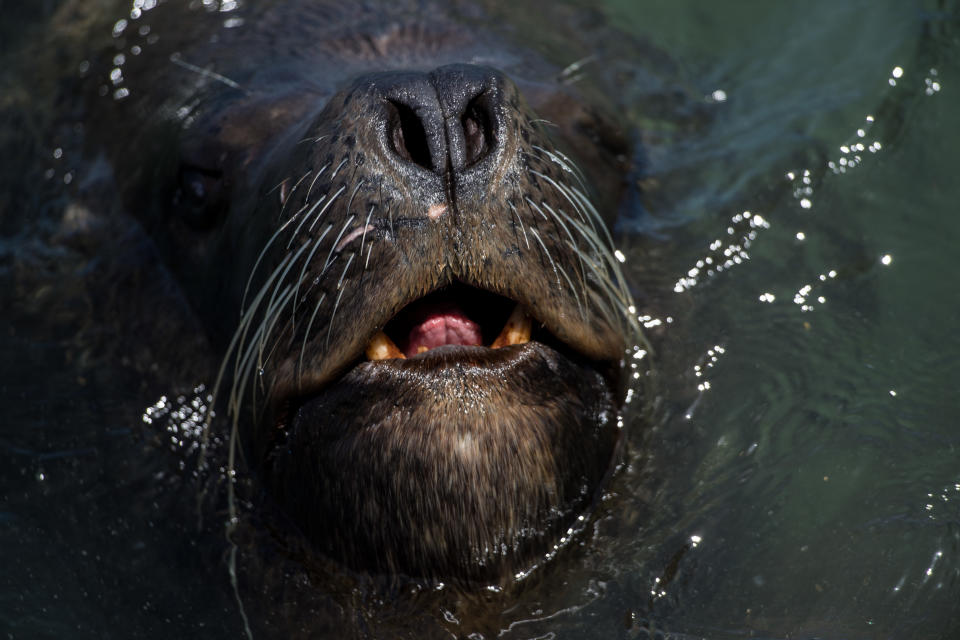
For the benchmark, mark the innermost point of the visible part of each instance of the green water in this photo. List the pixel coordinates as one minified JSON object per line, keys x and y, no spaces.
{"x":802,"y":475}
{"x":824,"y":483}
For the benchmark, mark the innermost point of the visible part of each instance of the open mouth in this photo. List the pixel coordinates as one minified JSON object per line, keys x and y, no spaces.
{"x":455,"y":315}
{"x":456,"y":323}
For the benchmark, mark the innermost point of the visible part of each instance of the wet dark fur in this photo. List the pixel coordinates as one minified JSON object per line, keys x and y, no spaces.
{"x":464,"y":463}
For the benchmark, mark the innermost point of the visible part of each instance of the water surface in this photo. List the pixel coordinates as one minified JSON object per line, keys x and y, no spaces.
{"x":798,"y":279}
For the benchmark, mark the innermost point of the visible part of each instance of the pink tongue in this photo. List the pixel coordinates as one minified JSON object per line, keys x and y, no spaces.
{"x":440,"y":324}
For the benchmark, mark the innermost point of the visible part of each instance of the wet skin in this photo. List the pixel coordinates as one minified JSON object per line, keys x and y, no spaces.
{"x":409,"y":275}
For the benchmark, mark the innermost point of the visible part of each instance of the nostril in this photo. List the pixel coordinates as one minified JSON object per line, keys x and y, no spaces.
{"x":407,"y":135}
{"x":477,"y":131}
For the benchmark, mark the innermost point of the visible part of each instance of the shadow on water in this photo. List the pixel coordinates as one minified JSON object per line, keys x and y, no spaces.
{"x":794,"y":251}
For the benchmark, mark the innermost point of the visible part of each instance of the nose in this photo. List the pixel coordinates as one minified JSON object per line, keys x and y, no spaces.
{"x":445,"y":121}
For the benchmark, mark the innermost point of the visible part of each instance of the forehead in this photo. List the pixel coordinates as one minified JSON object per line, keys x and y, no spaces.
{"x":185,"y":47}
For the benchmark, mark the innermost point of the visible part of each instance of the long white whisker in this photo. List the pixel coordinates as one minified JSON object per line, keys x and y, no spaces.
{"x":354,"y":195}
{"x":609,"y":263}
{"x":306,"y":263}
{"x":592,"y":212}
{"x":622,"y":300}
{"x":248,"y":314}
{"x":289,"y":197}
{"x":557,"y":219}
{"x":256,"y":264}
{"x":314,"y":181}
{"x":306,"y":216}
{"x":574,"y":196}
{"x":520,"y":222}
{"x":337,"y":170}
{"x":245,"y":366}
{"x":564,"y":163}
{"x":326,"y":206}
{"x":268,"y":323}
{"x":306,"y":333}
{"x":547,"y":253}
{"x":271,"y":306}
{"x":366,"y":226}
{"x":333,"y":247}
{"x":347,"y":266}
{"x":333,"y":314}
{"x":245,"y":323}
{"x":573,"y":289}
{"x":577,"y":206}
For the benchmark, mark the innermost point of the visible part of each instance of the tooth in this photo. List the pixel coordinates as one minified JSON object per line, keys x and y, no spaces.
{"x":382,"y":348}
{"x":517,"y":329}
{"x":422,"y":348}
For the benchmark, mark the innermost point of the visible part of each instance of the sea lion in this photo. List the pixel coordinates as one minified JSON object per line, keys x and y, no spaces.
{"x":379,"y":214}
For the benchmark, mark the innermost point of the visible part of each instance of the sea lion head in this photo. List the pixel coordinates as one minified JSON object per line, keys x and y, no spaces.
{"x":413,"y":407}
{"x":426,"y":371}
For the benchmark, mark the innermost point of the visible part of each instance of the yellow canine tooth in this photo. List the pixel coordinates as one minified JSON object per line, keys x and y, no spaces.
{"x":422,"y":348}
{"x":516,"y":330}
{"x":382,"y":348}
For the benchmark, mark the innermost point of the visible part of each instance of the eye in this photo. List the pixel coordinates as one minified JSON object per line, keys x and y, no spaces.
{"x":200,"y":196}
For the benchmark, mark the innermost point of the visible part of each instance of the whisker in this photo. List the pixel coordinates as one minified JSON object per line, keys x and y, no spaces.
{"x":256,"y":264}
{"x":283,"y":275}
{"x":539,"y":210}
{"x":314,"y":181}
{"x":347,"y":266}
{"x":520,"y":222}
{"x":608,"y":260}
{"x":575,"y":196}
{"x":306,"y":263}
{"x":353,"y":195}
{"x":369,"y":251}
{"x":592,"y":211}
{"x":557,"y":220}
{"x":543,"y":121}
{"x":313,"y":140}
{"x":306,"y":333}
{"x":337,"y":170}
{"x":610,"y":274}
{"x":262,"y":292}
{"x":336,"y":242}
{"x":326,"y":206}
{"x":393,"y":233}
{"x":306,"y":216}
{"x":569,"y":165}
{"x":268,"y":322}
{"x":206,"y":73}
{"x":576,"y":66}
{"x":366,"y":226}
{"x":333,"y":314}
{"x":242,"y":329}
{"x":565,"y":193}
{"x":547,"y":253}
{"x":245,"y":365}
{"x":614,"y":298}
{"x":218,"y":382}
{"x":283,"y":207}
{"x":573,"y":289}
{"x":564,"y":163}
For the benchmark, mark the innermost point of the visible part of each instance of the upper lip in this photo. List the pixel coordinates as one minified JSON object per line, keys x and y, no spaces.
{"x":569,"y":321}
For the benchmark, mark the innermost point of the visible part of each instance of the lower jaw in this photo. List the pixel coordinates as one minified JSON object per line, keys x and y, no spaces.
{"x":466,"y":464}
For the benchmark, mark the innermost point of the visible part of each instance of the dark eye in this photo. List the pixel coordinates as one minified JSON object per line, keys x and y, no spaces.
{"x":200,"y":198}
